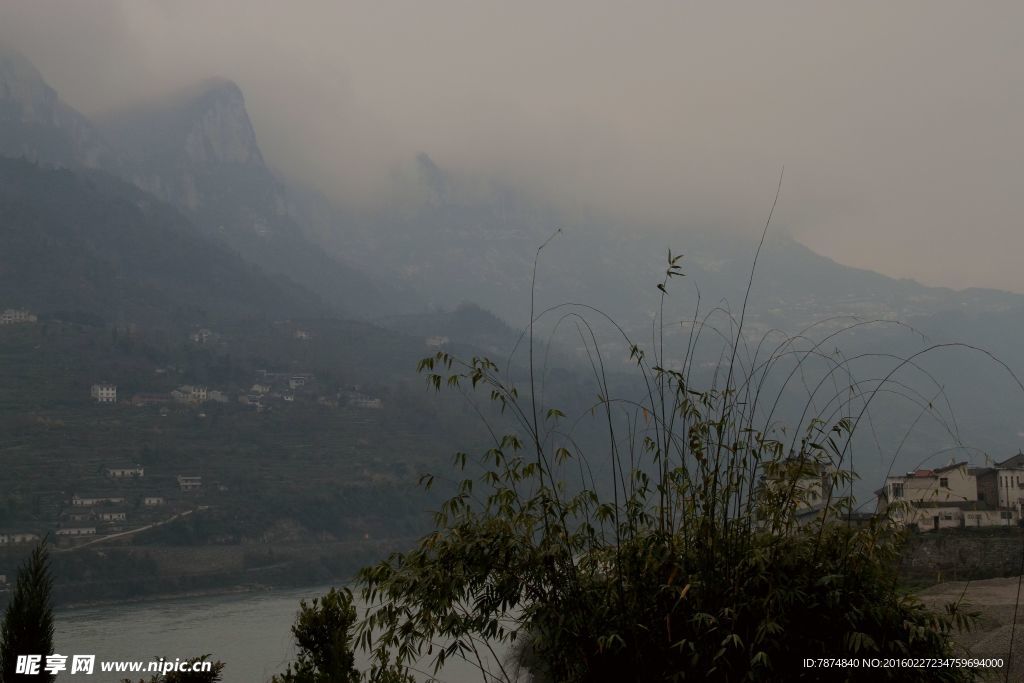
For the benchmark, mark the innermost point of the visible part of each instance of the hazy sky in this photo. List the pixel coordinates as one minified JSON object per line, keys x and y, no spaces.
{"x":899,"y":124}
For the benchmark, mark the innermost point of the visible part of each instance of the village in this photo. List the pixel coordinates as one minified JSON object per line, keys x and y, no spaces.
{"x":124,"y":498}
{"x":956,"y":496}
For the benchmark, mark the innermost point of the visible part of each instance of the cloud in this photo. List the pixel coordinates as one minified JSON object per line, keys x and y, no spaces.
{"x":898,"y":124}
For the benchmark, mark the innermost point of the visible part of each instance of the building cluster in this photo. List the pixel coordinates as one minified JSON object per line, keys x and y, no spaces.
{"x":358,"y":400}
{"x":266,"y":389}
{"x":958,"y":495}
{"x":15,"y":537}
{"x":104,"y":393}
{"x":115,"y":505}
{"x":273,"y":386}
{"x":436,"y":342}
{"x":17,"y":316}
{"x":194,"y":394}
{"x":203,"y":336}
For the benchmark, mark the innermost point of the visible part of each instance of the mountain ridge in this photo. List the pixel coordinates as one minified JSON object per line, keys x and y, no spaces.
{"x":198,"y":151}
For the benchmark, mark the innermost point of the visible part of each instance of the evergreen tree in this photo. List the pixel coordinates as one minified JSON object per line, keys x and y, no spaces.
{"x":322,"y":635}
{"x":28,"y":622}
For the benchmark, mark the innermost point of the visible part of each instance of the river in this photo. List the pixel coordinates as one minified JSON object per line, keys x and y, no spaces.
{"x":249,"y":632}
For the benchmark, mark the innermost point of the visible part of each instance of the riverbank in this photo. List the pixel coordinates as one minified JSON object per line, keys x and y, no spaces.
{"x":226,"y":591}
{"x":125,"y":574}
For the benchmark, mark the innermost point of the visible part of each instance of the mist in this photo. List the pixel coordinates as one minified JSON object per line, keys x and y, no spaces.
{"x":898,"y":126}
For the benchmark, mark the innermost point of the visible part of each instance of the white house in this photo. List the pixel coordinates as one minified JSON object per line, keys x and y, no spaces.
{"x":135,"y":472}
{"x":201,"y":336}
{"x":1009,"y":483}
{"x":104,"y":393}
{"x":935,"y":499}
{"x":113,"y":516}
{"x":366,"y":402}
{"x":802,"y":483}
{"x":12,"y":537}
{"x":435,"y":342}
{"x":90,"y":501}
{"x":189,"y":483}
{"x":14,"y":316}
{"x":189,"y":393}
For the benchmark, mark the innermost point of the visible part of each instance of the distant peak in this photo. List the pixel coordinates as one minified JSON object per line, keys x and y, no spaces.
{"x":433,"y":178}
{"x":208,"y":90}
{"x":205,"y":122}
{"x":13,"y":61}
{"x":20,"y":79}
{"x":216,"y":85}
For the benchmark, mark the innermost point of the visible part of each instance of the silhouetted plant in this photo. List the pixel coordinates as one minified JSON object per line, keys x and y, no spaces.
{"x":322,"y":632}
{"x":28,"y":622}
{"x":699,"y":561}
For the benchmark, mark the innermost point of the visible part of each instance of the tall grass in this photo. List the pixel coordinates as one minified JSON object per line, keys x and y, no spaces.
{"x":703,"y":540}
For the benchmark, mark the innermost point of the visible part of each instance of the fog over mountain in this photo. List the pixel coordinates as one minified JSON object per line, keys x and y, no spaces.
{"x":435,"y":236}
{"x":702,"y":298}
{"x":897,"y":124}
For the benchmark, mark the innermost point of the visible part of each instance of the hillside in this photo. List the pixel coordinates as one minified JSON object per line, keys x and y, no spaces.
{"x":197,"y":150}
{"x":83,"y":245}
{"x":36,"y":123}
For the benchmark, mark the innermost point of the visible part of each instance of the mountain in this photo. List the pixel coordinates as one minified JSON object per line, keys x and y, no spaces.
{"x":466,"y":324}
{"x":37,"y":124}
{"x":83,"y":245}
{"x":446,"y":236}
{"x":457,"y":239}
{"x":197,"y":149}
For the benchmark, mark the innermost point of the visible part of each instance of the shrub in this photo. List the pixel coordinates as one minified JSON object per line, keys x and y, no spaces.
{"x":716,"y":553}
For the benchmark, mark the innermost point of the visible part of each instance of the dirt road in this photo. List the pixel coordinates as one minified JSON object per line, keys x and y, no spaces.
{"x":995,"y":599}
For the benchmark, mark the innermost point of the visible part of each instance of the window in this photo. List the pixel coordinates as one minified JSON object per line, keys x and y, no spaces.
{"x":897,"y":490}
{"x":944,"y":482}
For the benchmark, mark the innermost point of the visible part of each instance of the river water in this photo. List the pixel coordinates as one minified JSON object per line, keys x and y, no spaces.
{"x":249,"y":632}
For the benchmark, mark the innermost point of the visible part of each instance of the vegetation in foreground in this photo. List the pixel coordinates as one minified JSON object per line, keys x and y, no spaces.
{"x":28,"y":621}
{"x":696,"y":563}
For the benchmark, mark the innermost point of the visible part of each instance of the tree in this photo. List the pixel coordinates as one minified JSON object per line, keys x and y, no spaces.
{"x":323,"y":635}
{"x":28,"y":622}
{"x":321,"y":632}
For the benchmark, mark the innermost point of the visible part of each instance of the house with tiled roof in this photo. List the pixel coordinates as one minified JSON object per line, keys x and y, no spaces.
{"x":955,"y":496}
{"x":1009,"y":482}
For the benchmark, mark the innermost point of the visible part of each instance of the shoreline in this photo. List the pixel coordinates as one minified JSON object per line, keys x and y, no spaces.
{"x":226,"y":591}
{"x":165,"y":597}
